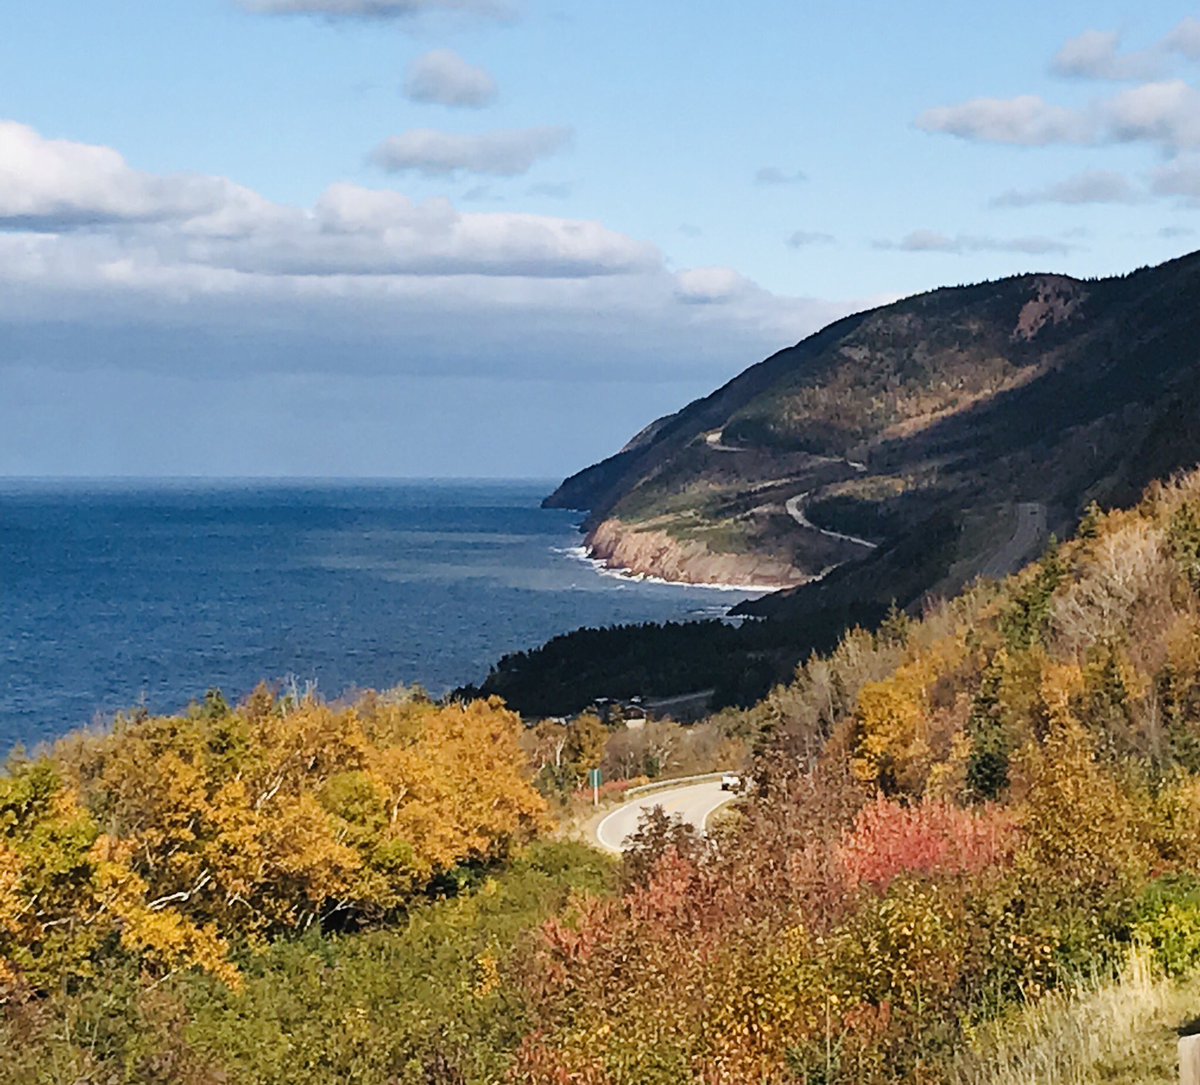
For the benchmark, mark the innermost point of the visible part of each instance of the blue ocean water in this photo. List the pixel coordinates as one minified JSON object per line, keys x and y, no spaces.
{"x":117,"y":592}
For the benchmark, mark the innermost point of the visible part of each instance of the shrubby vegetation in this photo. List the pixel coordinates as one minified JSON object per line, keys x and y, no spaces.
{"x":954,"y":816}
{"x":954,"y":821}
{"x":180,"y":841}
{"x":418,"y":1000}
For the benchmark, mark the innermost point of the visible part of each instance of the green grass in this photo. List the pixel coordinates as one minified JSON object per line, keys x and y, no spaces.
{"x":723,"y":537}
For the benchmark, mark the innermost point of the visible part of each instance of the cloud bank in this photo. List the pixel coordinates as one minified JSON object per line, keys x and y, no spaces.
{"x":103,"y":267}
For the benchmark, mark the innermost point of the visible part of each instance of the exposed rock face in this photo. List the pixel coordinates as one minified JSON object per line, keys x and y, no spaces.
{"x":1057,"y":299}
{"x":650,"y":552}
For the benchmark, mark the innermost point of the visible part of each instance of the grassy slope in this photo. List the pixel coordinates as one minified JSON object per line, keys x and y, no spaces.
{"x":1115,"y":1032}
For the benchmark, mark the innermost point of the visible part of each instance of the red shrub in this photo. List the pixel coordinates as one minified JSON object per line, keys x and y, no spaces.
{"x":889,"y":839}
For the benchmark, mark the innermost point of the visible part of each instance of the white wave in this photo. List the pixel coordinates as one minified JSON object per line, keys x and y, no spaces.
{"x":599,"y":565}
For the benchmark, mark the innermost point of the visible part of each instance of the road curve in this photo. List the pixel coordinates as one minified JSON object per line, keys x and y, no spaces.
{"x":715,"y":442}
{"x":795,"y":509}
{"x":692,"y":803}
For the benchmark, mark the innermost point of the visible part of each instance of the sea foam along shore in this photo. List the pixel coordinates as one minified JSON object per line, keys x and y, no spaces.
{"x":616,"y":572}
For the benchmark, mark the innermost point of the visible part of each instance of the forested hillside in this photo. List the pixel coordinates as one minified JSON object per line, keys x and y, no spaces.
{"x":891,"y":458}
{"x":949,"y":408}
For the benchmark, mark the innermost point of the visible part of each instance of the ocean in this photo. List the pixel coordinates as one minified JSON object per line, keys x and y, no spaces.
{"x":118,"y":593}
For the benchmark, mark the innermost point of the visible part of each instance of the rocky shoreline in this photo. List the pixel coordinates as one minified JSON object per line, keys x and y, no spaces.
{"x":654,"y":553}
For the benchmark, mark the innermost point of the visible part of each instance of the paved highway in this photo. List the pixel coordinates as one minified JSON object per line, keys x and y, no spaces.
{"x":1019,"y":547}
{"x":691,"y":802}
{"x":795,"y":509}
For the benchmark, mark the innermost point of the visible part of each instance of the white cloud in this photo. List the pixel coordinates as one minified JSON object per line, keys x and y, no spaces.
{"x":773,"y":175}
{"x":363,"y":281}
{"x":359,"y":231}
{"x":712,"y":286}
{"x":962,"y":244}
{"x":1166,"y":113}
{"x":53,"y":186}
{"x":442,"y":77}
{"x":1185,"y":39}
{"x":443,"y":154}
{"x":1027,"y":121}
{"x":1097,"y":186}
{"x":1159,"y":111}
{"x":1180,"y":178}
{"x":801,"y":239}
{"x":377,"y":9}
{"x":58,"y":184}
{"x":1096,"y":54}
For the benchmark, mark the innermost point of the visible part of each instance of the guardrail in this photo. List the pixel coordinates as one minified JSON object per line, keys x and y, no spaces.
{"x":679,"y":781}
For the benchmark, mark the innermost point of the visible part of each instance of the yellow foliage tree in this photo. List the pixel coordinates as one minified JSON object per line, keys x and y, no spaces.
{"x":893,"y":750}
{"x":172,"y":836}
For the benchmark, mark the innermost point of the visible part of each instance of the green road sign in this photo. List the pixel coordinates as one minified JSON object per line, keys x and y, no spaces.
{"x":594,"y":778}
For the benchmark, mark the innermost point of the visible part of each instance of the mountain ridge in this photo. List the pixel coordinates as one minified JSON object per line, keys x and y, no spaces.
{"x":958,"y":404}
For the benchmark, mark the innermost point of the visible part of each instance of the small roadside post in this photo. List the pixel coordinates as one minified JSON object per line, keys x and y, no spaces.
{"x":1189,"y":1053}
{"x":594,"y":780}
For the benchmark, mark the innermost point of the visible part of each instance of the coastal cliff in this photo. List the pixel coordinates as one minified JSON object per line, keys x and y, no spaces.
{"x":643,"y":551}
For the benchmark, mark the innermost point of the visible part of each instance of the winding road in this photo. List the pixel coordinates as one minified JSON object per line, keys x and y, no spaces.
{"x":714,"y":440}
{"x":795,"y":505}
{"x":795,"y":509}
{"x":692,"y":803}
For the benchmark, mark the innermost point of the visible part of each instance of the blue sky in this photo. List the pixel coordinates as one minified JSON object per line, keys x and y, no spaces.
{"x":478,"y":237}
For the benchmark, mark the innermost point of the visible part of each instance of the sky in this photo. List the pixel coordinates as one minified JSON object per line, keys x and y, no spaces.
{"x":495,"y":238}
